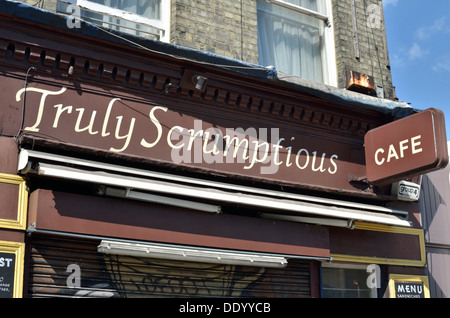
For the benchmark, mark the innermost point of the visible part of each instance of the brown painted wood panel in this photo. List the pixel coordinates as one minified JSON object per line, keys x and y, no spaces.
{"x":378,"y":244}
{"x":59,"y":211}
{"x":9,"y":198}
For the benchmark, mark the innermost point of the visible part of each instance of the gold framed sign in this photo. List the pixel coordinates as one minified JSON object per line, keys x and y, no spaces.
{"x":416,"y":235}
{"x":11,"y":269}
{"x":408,"y":286}
{"x":15,"y":200}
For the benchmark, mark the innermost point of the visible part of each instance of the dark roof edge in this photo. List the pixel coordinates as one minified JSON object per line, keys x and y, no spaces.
{"x":325,"y":92}
{"x":348,"y":98}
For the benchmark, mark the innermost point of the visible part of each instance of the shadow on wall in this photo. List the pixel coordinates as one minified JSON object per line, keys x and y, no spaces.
{"x":435,"y":215}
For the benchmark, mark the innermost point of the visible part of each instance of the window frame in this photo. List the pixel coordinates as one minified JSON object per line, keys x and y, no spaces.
{"x":349,"y":266}
{"x":329,"y":57}
{"x":162,"y":24}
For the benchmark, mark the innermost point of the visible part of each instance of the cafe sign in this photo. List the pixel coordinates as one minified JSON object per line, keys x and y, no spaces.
{"x":183,"y":134}
{"x":406,"y":148}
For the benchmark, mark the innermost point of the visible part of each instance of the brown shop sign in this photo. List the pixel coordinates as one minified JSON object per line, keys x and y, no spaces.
{"x":188,"y":135}
{"x":407,"y":147}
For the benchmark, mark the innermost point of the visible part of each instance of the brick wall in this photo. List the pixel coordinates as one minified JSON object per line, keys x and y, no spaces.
{"x":361,"y":42}
{"x":223,"y":27}
{"x":229,"y":28}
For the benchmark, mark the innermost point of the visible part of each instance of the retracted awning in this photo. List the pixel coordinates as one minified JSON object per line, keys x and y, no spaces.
{"x":136,"y":184}
{"x":190,"y":254}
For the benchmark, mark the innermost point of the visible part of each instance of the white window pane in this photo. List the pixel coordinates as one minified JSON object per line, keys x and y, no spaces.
{"x":147,"y":8}
{"x":314,"y":5}
{"x":291,"y":41}
{"x":345,"y":283}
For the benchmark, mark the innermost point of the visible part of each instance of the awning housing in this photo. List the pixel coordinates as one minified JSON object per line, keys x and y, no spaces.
{"x":141,"y":184}
{"x":190,"y":254}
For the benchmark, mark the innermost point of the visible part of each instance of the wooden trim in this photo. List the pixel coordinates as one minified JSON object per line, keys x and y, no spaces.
{"x":20,"y":222}
{"x":386,"y":261}
{"x":408,"y":278}
{"x":19,"y":250}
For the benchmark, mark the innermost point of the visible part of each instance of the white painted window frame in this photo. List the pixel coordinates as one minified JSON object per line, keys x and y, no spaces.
{"x":163,"y":24}
{"x":330,"y":69}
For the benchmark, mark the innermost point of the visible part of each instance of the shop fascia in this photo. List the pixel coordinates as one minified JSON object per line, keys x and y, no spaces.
{"x":250,"y":147}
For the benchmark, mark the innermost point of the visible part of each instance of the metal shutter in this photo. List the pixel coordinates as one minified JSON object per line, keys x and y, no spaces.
{"x":122,"y":276}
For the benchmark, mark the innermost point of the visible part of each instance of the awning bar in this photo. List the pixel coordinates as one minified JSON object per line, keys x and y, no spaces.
{"x":190,"y":254}
{"x":27,"y":155}
{"x":255,"y":201}
{"x":32,"y":231}
{"x":147,"y":197}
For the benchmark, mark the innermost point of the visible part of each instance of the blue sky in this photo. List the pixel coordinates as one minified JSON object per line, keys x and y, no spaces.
{"x":418,"y":35}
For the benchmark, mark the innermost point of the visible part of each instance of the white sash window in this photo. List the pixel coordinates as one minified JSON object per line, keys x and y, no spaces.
{"x":146,"y":18}
{"x":296,"y":37}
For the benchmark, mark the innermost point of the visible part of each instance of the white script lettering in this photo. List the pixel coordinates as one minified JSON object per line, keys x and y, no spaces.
{"x":115,"y":129}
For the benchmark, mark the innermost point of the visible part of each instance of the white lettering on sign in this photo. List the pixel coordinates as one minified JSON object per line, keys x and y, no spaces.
{"x":396,"y":152}
{"x":250,"y":146}
{"x":414,"y":289}
{"x":5,"y":262}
